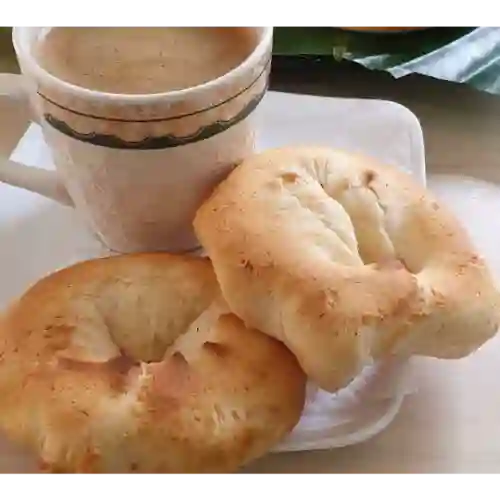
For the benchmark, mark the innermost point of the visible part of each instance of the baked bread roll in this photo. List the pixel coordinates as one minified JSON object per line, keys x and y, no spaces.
{"x":346,"y":261}
{"x":133,"y":364}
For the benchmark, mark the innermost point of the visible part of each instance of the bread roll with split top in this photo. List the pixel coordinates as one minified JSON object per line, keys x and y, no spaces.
{"x":135,"y":364}
{"x":346,"y":261}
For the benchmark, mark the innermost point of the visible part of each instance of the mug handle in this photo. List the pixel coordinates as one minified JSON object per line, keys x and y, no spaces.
{"x":37,"y":180}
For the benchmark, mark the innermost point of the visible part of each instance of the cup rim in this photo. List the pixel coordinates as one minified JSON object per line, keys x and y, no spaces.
{"x":24,"y":54}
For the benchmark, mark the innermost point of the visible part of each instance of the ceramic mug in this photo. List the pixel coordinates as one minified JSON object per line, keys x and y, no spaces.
{"x":136,"y":167}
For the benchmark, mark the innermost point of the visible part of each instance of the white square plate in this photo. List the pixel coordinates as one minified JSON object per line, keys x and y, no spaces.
{"x":39,"y":236}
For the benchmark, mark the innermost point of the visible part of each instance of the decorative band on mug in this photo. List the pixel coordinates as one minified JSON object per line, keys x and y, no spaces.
{"x":160,"y":142}
{"x":383,"y":28}
{"x":164,"y":119}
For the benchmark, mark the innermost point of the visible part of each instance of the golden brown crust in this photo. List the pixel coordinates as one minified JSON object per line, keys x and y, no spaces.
{"x":134,"y":364}
{"x":345,"y":260}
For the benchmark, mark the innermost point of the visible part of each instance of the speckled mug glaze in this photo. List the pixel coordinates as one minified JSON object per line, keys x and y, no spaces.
{"x":138,"y":166}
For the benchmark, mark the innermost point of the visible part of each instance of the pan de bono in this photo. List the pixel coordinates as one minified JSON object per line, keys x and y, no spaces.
{"x":345,"y":260}
{"x":134,"y":364}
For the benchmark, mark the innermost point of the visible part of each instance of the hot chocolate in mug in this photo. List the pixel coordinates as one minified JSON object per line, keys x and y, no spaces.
{"x":137,"y":165}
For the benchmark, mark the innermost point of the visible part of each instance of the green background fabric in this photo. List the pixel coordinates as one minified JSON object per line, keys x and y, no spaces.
{"x":466,"y":55}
